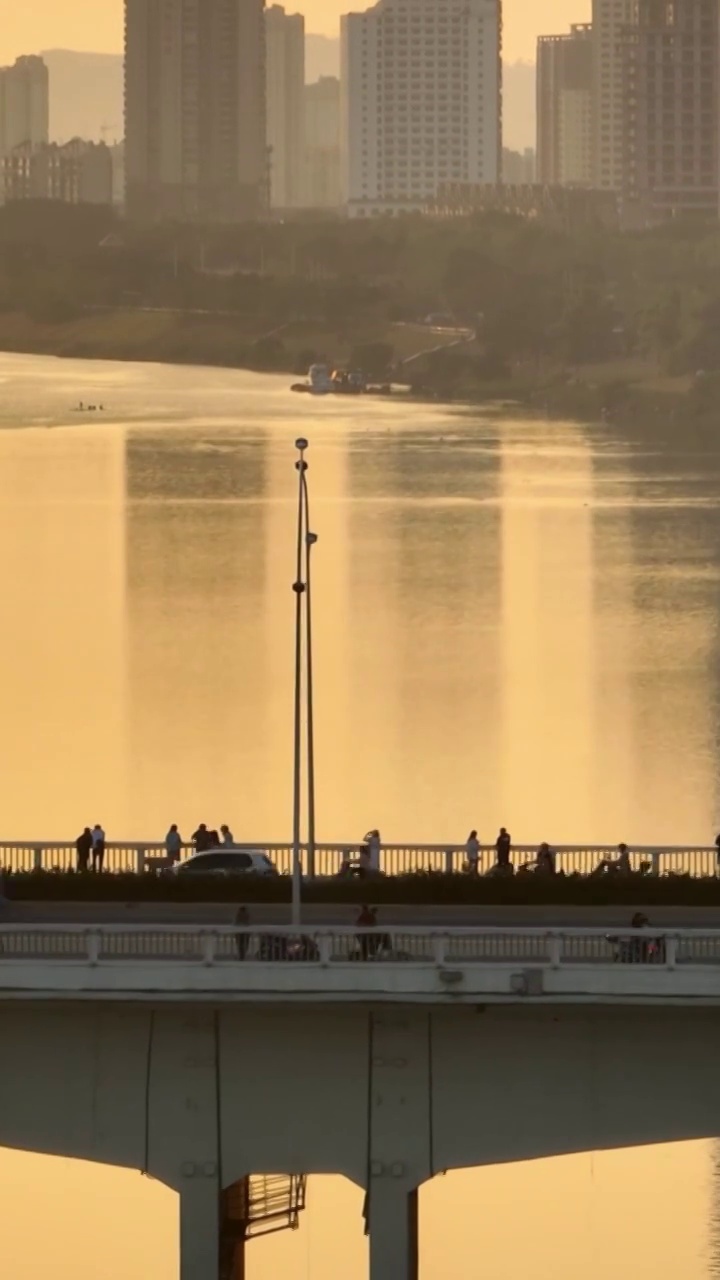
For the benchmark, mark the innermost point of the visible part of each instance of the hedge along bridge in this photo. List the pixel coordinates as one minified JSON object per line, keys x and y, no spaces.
{"x":395,"y":859}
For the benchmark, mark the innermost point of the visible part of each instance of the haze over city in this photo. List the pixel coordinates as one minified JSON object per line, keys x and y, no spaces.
{"x":98,"y":25}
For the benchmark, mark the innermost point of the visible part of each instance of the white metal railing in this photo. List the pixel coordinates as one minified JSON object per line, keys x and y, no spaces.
{"x":228,"y":945}
{"x":326,"y":859}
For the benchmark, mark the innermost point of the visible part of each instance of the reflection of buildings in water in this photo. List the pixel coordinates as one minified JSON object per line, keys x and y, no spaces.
{"x":62,"y":582}
{"x":546,"y":721}
{"x":674,"y":600}
{"x":196,"y":661}
{"x":426,"y":588}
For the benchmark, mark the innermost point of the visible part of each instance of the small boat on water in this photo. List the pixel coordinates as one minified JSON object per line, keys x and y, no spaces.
{"x":341,"y":382}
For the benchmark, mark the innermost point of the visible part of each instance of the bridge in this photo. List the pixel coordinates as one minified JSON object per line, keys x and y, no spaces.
{"x":130,"y":857}
{"x":221,"y":1059}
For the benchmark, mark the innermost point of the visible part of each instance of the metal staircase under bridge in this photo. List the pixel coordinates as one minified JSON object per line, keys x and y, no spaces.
{"x":257,"y":1206}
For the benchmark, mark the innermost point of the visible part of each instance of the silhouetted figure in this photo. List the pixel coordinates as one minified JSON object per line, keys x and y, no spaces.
{"x":173,"y":844}
{"x":371,"y":943}
{"x":621,"y":865}
{"x":370,"y":853}
{"x":226,"y":833}
{"x":98,"y":847}
{"x":214,"y":839}
{"x":83,"y":845}
{"x":545,"y":862}
{"x":503,"y":844}
{"x":472,"y":853}
{"x":201,"y":839}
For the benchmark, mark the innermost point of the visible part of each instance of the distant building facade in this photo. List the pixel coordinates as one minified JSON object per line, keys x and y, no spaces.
{"x":518,"y":167}
{"x":610,"y":20}
{"x":285,"y":95}
{"x":24,"y":106}
{"x":323,"y":188}
{"x":421,"y":101}
{"x":77,"y":172}
{"x":195,"y":145}
{"x":671,"y":111}
{"x":565,"y":108}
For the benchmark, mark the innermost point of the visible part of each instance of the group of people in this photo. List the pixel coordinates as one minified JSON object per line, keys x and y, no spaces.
{"x":545,"y":861}
{"x":90,"y":844}
{"x":371,"y":941}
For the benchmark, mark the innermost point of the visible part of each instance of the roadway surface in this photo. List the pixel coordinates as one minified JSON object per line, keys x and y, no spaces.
{"x":208,"y":914}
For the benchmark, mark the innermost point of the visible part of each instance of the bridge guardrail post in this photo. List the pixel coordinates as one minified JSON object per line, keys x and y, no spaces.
{"x":325,"y":944}
{"x":449,"y":861}
{"x":139,"y":860}
{"x":208,"y":948}
{"x":671,"y":949}
{"x":37,"y":859}
{"x":554,"y":941}
{"x":439,"y":947}
{"x":656,"y":862}
{"x":92,"y":942}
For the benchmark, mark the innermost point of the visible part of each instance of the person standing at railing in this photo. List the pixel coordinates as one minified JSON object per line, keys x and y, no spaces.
{"x":98,"y":847}
{"x":227,"y":835}
{"x":372,"y":850}
{"x":201,"y":839}
{"x":472,"y":853}
{"x":83,"y":847}
{"x":173,"y":844}
{"x":503,"y":845}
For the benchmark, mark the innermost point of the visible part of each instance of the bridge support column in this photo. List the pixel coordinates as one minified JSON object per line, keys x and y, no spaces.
{"x":199,"y":1223}
{"x":393,"y":1233}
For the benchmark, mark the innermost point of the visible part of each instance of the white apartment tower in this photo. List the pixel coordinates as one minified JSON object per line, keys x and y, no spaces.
{"x":610,"y":20}
{"x":421,"y":101}
{"x":285,"y":96}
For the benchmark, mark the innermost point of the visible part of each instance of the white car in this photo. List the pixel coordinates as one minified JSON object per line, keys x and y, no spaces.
{"x":227,"y":862}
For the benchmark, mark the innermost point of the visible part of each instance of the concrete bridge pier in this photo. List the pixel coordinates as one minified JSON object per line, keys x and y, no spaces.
{"x":393,"y":1231}
{"x":200,"y":1224}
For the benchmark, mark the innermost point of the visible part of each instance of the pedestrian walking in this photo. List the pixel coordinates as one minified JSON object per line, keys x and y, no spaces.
{"x":472,"y":853}
{"x":98,"y":847}
{"x":83,"y":846}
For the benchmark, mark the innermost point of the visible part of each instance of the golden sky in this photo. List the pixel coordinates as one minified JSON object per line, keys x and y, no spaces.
{"x":97,"y":24}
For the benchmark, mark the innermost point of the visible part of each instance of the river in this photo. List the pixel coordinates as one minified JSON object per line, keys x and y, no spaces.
{"x":516,"y":622}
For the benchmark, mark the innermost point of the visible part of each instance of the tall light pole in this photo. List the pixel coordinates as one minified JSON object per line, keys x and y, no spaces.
{"x":299,"y":588}
{"x":310,"y":540}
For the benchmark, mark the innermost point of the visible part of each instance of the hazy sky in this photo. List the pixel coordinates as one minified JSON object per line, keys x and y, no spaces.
{"x":97,"y":24}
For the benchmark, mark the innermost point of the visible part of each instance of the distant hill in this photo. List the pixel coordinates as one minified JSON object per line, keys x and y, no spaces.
{"x":86,"y":92}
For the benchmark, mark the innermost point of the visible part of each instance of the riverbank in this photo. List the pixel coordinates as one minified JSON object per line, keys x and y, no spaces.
{"x":627,"y":393}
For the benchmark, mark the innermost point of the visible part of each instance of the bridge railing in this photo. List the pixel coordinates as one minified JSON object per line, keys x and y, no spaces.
{"x":326,"y":859}
{"x":118,"y":945}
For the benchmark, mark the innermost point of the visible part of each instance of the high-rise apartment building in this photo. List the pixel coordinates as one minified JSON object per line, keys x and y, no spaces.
{"x":671,"y":133}
{"x":24,"y":107}
{"x":322,"y":144}
{"x":195,"y":109}
{"x":565,"y":108}
{"x":421,"y":101}
{"x":285,"y":94}
{"x":610,"y":19}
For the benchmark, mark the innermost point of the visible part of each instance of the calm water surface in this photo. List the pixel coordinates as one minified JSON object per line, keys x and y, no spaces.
{"x":516,"y":622}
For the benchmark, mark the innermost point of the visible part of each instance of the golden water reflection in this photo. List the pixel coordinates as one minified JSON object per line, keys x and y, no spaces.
{"x":516,"y":622}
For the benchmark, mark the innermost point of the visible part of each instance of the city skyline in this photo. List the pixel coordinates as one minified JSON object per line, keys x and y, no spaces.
{"x":84,"y":25}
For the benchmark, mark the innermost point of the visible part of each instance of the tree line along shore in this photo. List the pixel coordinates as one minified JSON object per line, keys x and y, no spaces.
{"x":584,"y":321}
